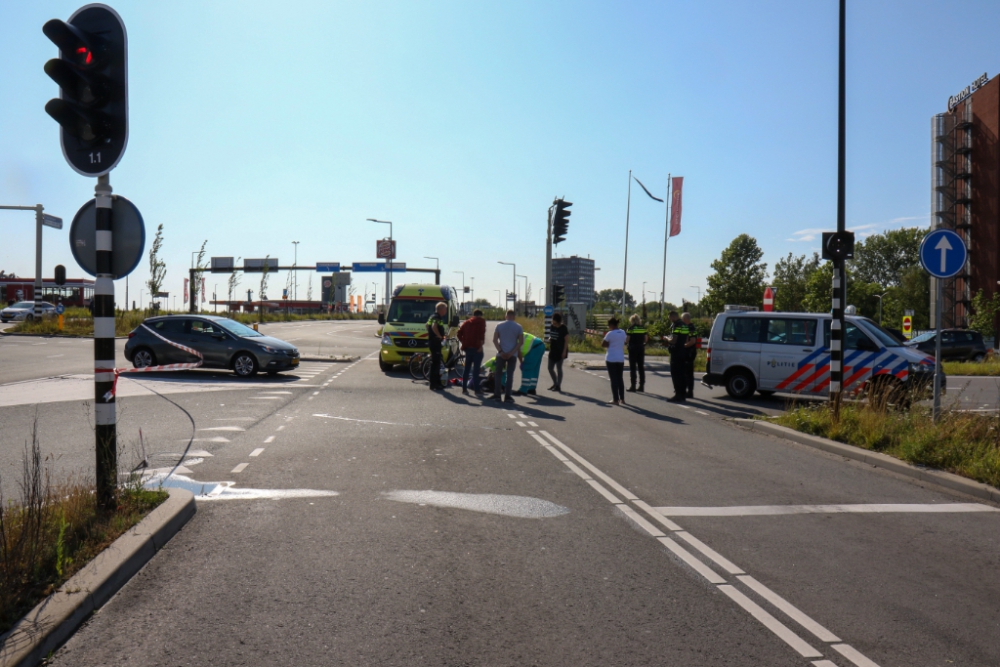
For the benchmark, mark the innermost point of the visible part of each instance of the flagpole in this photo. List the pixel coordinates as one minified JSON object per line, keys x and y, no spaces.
{"x":628,"y":208}
{"x":666,"y":235}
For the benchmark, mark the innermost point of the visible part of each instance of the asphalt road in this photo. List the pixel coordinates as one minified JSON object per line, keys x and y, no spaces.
{"x":559,"y":531}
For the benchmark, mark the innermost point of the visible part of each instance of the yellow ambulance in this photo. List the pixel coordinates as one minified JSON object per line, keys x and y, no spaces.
{"x":404,"y":326}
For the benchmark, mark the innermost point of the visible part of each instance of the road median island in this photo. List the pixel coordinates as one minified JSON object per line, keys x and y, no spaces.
{"x":53,"y":620}
{"x":960,"y":453}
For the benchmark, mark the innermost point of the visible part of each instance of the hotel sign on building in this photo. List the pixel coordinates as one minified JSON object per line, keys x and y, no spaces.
{"x":955,"y":100}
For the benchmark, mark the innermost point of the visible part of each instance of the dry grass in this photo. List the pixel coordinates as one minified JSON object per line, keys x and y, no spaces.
{"x":990,"y":368}
{"x":53,"y":530}
{"x":967,"y":444}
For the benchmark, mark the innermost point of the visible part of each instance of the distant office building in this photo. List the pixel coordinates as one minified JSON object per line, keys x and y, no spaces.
{"x":965,"y":192}
{"x":576,"y":275}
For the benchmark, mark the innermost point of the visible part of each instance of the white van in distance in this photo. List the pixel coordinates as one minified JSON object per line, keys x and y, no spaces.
{"x":790,"y":352}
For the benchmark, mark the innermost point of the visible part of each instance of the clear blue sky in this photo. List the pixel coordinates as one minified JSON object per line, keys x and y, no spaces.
{"x":255,"y":124}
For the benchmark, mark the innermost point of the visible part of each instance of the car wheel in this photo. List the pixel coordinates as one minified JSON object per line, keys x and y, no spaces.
{"x":384,"y":367}
{"x":143,"y":358}
{"x":979,"y":358}
{"x":765,"y":393}
{"x":740,"y":384}
{"x":245,"y":365}
{"x":29,"y":317}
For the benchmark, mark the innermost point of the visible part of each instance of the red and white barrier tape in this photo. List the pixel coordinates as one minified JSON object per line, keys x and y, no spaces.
{"x":148,"y":369}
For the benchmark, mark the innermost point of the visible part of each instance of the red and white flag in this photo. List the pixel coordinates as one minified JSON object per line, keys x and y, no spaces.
{"x":675,"y":207}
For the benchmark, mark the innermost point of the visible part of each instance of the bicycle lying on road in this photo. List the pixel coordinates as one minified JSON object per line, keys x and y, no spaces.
{"x":453,"y":359}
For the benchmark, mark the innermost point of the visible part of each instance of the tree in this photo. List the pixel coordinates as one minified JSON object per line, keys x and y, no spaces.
{"x":613,"y":298}
{"x":262,"y":294}
{"x":819,"y":292}
{"x":739,"y":276}
{"x":157,"y":267}
{"x":882,"y":258}
{"x":791,"y":276}
{"x":984,"y":312}
{"x":199,"y":271}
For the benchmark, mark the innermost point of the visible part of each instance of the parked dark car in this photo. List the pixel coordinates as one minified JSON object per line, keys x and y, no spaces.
{"x":956,"y":345}
{"x":224,"y":343}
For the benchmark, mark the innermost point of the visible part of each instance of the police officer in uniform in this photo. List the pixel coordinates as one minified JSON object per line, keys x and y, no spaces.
{"x":692,"y":353}
{"x":437,"y":329}
{"x":636,"y":338}
{"x":678,"y":344}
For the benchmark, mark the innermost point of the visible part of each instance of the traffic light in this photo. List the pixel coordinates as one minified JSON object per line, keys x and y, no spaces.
{"x":560,"y":221}
{"x":91,"y":70}
{"x":838,"y":245}
{"x":60,"y":275}
{"x":558,"y":294}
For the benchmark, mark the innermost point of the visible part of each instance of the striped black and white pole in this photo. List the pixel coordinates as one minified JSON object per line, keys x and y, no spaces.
{"x":837,"y":334}
{"x":104,"y":351}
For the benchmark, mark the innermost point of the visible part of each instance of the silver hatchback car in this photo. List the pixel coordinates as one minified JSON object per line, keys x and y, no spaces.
{"x":25,"y":310}
{"x":223,"y":343}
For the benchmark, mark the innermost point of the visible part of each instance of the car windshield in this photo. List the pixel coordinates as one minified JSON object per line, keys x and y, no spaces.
{"x":884,"y":337}
{"x":923,"y":338}
{"x":237,"y":329}
{"x":24,"y":304}
{"x":411,"y":311}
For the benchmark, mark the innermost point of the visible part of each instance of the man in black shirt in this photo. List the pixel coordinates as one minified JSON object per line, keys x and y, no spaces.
{"x":636,"y":340}
{"x":558,"y":350}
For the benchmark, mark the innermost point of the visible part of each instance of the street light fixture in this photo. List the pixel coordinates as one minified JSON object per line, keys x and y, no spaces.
{"x":699,"y":292}
{"x":514,"y":268}
{"x":879,"y":297}
{"x":388,"y":275}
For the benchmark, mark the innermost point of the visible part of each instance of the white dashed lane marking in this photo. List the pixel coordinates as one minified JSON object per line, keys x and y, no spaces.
{"x":257,"y":452}
{"x":239,"y":468}
{"x":269,"y":440}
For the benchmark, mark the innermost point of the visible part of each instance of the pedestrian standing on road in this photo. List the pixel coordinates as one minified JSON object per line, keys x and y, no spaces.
{"x":678,"y":342}
{"x":614,"y":343}
{"x":692,"y":348}
{"x":636,"y":339}
{"x":558,"y":350}
{"x":472,"y":335}
{"x":508,"y":337}
{"x":437,"y":329}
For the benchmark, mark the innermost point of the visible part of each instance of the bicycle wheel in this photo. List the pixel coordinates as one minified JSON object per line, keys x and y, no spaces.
{"x":417,"y":366}
{"x":459,"y":365}
{"x":425,"y":368}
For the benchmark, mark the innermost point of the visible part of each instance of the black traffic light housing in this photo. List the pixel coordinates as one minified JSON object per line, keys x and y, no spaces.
{"x":558,"y":294}
{"x":92,"y":73}
{"x":838,"y":245}
{"x":560,"y":220}
{"x":60,"y":275}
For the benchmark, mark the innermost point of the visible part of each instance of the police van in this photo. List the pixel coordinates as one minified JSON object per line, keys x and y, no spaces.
{"x":790,"y":352}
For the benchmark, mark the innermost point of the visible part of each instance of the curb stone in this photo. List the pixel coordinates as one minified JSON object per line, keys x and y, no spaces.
{"x":47,"y":335}
{"x":947,"y":480}
{"x":333,"y":359}
{"x":56,"y":618}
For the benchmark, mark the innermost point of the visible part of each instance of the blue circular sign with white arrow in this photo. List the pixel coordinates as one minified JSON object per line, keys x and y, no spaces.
{"x":549,"y":310}
{"x":943,"y":253}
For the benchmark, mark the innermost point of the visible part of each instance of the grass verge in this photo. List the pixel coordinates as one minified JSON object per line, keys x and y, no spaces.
{"x":966,"y":444}
{"x":53,"y":530}
{"x":79,"y":322}
{"x":990,"y":368}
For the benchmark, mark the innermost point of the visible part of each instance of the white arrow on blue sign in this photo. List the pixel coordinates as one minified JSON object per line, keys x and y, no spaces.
{"x":943,"y":253}
{"x":549,"y":310}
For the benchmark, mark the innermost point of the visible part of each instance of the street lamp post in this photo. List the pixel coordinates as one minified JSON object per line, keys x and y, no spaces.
{"x":295,"y":263}
{"x":879,"y":297}
{"x":463,"y":286}
{"x":499,"y":303}
{"x":215,"y":297}
{"x":524,"y":295}
{"x":388,"y":274}
{"x":472,"y":290}
{"x":514,"y":273}
{"x":699,"y":292}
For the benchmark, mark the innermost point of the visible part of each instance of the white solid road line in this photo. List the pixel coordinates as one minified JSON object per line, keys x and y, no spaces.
{"x":637,"y":518}
{"x":709,"y":552}
{"x":880,"y":508}
{"x":269,"y":440}
{"x":586,"y":464}
{"x":239,"y":468}
{"x":790,"y":610}
{"x":257,"y":452}
{"x":223,"y":428}
{"x":771,"y":623}
{"x":266,"y":398}
{"x":610,"y":497}
{"x":853,"y":655}
{"x":711,"y":575}
{"x":656,"y":515}
{"x":824,"y":663}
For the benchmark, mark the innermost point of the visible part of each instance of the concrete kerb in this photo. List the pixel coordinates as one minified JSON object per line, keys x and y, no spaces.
{"x":48,"y":335}
{"x":56,"y":618}
{"x":940,"y":478}
{"x":333,"y":358}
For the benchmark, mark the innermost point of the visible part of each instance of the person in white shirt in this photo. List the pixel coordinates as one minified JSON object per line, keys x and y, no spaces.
{"x":614,"y":343}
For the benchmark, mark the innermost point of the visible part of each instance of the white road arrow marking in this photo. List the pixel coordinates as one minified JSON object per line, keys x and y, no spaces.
{"x":944,"y":247}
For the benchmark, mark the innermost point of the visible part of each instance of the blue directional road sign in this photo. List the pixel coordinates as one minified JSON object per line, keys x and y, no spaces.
{"x":327,"y":267}
{"x":943,"y":253}
{"x":60,"y":309}
{"x":549,"y":310}
{"x":370,"y":267}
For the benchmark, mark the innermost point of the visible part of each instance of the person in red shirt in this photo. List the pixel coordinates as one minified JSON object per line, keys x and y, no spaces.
{"x":472,"y":335}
